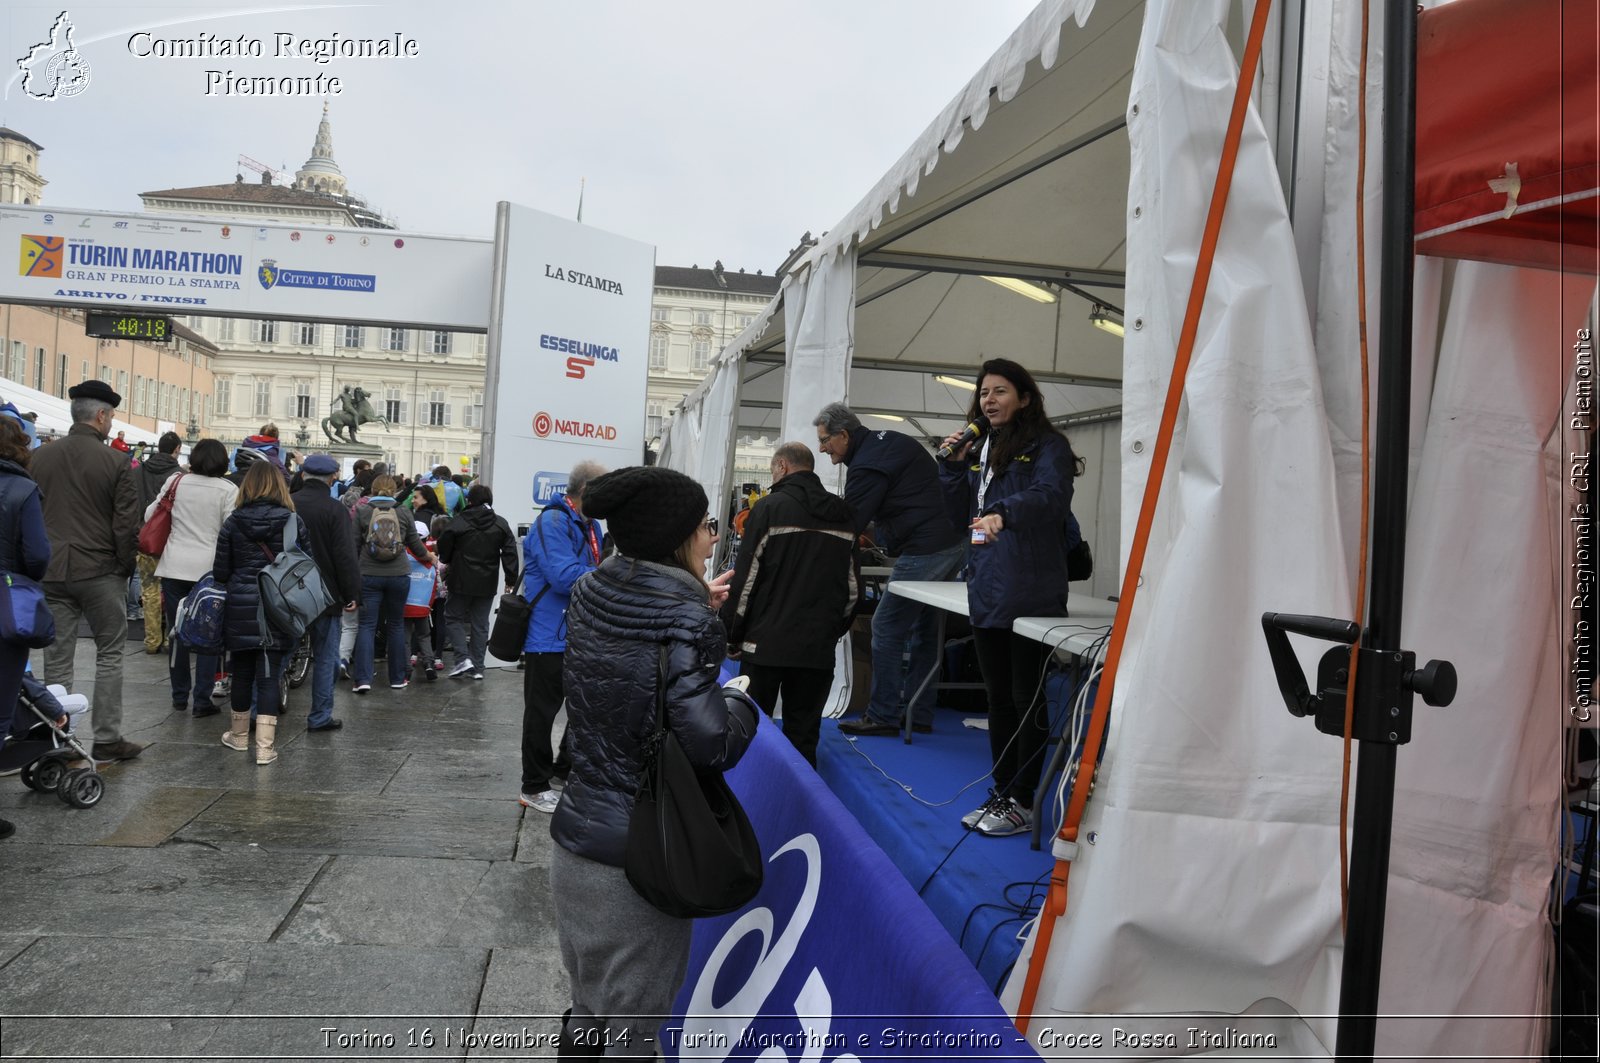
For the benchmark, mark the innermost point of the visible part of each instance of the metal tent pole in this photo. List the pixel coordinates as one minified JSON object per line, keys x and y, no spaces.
{"x":1375,"y":772}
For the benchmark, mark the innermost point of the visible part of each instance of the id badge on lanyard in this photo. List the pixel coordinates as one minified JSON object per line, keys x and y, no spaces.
{"x":978,"y":537}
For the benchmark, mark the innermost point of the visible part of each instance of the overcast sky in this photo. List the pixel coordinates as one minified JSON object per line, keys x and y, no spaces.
{"x":714,"y":130}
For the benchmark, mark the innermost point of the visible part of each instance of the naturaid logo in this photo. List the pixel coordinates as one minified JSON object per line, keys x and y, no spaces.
{"x":54,"y":69}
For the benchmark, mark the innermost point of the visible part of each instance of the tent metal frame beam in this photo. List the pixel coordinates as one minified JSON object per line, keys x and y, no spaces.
{"x":1043,"y":376}
{"x":1028,"y":271}
{"x":1060,"y":151}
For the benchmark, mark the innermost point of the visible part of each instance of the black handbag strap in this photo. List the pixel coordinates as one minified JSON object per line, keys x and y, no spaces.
{"x":652,"y":742}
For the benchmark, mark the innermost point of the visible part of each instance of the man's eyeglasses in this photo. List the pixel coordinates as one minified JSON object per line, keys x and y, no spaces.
{"x":711,"y":525}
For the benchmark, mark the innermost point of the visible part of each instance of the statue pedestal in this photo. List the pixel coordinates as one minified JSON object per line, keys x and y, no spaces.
{"x":347,"y":453}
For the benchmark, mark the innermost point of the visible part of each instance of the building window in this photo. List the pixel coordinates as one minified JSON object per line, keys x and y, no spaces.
{"x":438,"y":408}
{"x":397,"y":339}
{"x":745,"y":321}
{"x":138,"y":396}
{"x":39,"y":367}
{"x":122,"y":381}
{"x":659,"y":343}
{"x":61,"y":378}
{"x":224,"y":396}
{"x":660,"y":313}
{"x":85,"y":375}
{"x":19,"y":362}
{"x":351,"y":336}
{"x":225,"y":329}
{"x":480,"y":343}
{"x":263,"y":332}
{"x":474,"y":411}
{"x":652,"y":423}
{"x":702,"y":318}
{"x":394,"y":406}
{"x":302,"y":399}
{"x":107,"y":374}
{"x":702,"y":354}
{"x":441,"y":343}
{"x":263,"y":407}
{"x":306,"y":334}
{"x":432,"y":460}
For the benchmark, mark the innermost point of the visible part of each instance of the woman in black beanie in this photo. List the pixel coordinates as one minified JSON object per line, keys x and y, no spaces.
{"x":625,"y":959}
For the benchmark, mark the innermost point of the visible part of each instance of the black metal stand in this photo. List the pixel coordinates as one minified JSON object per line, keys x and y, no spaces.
{"x":1386,"y":677}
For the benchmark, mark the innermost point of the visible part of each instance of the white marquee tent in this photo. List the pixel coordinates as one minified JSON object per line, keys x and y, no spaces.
{"x":1083,"y":155}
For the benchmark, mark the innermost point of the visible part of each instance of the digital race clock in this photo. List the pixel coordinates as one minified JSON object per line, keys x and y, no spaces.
{"x":146,"y":327}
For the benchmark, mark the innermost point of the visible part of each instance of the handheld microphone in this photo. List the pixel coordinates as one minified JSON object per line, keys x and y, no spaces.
{"x":968,"y":434}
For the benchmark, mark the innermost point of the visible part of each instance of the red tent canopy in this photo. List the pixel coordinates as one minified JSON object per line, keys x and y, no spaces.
{"x":1508,"y":91}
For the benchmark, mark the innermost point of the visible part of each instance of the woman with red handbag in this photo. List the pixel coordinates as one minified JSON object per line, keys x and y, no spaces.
{"x":198,"y":502}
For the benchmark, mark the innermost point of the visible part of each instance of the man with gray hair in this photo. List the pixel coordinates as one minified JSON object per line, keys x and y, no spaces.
{"x":561,"y":545}
{"x":894,"y":484}
{"x":92,"y":515}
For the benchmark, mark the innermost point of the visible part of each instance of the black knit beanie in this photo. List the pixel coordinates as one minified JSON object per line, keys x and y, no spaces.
{"x":649,"y":510}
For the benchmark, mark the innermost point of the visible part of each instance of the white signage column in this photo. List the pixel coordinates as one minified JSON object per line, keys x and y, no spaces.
{"x":568,"y":355}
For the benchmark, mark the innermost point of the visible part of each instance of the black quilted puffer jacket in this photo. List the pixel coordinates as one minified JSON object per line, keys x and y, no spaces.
{"x":620,"y":616}
{"x":249,"y":540}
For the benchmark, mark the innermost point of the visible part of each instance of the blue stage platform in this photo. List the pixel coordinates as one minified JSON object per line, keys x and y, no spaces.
{"x":910,"y":800}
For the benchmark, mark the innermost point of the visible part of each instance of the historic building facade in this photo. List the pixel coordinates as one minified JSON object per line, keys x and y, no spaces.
{"x":429,"y":385}
{"x":45,"y":349}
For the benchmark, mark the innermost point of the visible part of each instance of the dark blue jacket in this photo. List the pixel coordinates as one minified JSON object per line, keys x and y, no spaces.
{"x":555,"y":552}
{"x":620,"y":616}
{"x":250,"y":538}
{"x":1023,"y":570}
{"x":894,"y":481}
{"x":24,"y":546}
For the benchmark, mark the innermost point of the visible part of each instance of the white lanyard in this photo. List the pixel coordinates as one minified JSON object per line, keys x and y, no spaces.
{"x":988,"y":474}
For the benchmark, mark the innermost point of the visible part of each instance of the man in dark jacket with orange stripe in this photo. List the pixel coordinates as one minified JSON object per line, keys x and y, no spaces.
{"x":794,"y":591}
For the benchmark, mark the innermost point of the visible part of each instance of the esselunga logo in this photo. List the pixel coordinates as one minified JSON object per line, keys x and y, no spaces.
{"x":581,"y":355}
{"x":545,"y":426}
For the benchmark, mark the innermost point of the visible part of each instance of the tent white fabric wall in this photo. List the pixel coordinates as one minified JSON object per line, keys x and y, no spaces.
{"x":1212,"y":882}
{"x":819,"y":317}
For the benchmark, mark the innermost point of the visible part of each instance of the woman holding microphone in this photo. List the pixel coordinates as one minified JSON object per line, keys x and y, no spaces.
{"x":1012,"y":488}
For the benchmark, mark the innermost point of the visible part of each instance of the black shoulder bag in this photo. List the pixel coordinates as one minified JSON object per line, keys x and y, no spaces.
{"x":691,"y":850}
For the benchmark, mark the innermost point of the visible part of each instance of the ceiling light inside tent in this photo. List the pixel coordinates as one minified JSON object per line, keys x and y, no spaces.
{"x":885,"y":416}
{"x":957,"y":382}
{"x":1037,"y":292}
{"x":1102,"y":319}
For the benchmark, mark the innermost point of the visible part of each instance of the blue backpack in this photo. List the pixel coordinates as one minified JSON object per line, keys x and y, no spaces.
{"x":198,"y":621}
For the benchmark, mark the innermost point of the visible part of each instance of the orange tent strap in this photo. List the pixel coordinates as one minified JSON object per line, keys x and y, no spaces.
{"x":1056,"y":899}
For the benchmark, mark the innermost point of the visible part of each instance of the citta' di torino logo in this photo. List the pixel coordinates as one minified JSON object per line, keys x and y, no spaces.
{"x":54,"y":69}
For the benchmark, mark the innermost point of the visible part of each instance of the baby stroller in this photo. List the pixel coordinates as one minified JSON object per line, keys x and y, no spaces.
{"x":44,"y":751}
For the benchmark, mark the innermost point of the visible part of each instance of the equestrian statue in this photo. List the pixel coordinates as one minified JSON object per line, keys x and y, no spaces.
{"x":351,"y":410}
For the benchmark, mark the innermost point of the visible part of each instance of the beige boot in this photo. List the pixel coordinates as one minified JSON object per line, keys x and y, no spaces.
{"x":266,"y":734}
{"x":237,"y":736}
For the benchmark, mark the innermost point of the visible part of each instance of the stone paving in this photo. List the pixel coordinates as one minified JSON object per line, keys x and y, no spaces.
{"x":376,"y":892}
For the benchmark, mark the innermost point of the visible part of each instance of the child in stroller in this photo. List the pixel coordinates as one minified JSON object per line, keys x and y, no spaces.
{"x":43,"y":745}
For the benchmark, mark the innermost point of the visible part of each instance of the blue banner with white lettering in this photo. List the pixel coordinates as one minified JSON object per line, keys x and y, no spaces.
{"x":836,"y":958}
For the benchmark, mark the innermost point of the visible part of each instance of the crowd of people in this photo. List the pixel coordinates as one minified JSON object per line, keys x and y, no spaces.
{"x":624,"y":624}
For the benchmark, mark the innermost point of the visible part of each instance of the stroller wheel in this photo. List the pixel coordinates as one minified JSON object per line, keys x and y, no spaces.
{"x":30,"y":776}
{"x":48,"y":772}
{"x":82,"y":788}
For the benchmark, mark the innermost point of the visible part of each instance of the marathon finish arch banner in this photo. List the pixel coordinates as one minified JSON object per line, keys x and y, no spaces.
{"x":176,"y":264}
{"x":567,"y":355}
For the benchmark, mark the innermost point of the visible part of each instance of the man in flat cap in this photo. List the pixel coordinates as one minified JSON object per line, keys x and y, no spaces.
{"x":91,"y":514}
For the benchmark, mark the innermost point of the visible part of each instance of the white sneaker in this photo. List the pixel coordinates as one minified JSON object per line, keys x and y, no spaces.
{"x":438,"y":662}
{"x":1005,"y":818}
{"x":544,"y":801}
{"x":970,"y":820}
{"x":461,"y":668}
{"x":477,"y":675}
